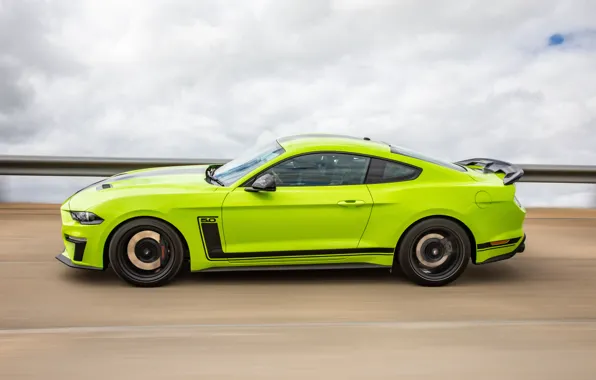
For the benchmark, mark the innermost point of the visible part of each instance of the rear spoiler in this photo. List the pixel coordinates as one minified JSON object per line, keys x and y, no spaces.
{"x":513,"y":173}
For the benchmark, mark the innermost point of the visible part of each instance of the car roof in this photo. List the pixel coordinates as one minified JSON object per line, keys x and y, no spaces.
{"x":314,"y":141}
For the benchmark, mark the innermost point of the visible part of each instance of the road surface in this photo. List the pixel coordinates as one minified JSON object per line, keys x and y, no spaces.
{"x":532,"y":317}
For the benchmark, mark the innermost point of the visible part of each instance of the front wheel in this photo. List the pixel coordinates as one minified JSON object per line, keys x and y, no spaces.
{"x":146,"y":252}
{"x":435,"y":252}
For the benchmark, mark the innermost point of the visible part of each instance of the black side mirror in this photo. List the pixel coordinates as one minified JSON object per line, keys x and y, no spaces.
{"x":266,"y":182}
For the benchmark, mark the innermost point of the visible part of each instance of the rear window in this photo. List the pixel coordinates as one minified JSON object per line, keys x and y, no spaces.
{"x":420,"y":156}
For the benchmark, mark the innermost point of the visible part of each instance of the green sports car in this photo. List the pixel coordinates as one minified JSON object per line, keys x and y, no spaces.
{"x":299,"y":202}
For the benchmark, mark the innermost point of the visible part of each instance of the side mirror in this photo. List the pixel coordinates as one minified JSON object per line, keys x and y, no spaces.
{"x":266,"y":182}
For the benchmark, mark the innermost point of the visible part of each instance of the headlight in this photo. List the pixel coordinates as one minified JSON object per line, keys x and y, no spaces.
{"x":86,"y":217}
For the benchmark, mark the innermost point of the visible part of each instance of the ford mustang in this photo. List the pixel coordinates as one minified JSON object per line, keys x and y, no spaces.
{"x":299,"y":202}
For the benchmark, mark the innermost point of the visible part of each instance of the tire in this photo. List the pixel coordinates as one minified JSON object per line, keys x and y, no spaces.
{"x":146,"y":252}
{"x":434,"y":252}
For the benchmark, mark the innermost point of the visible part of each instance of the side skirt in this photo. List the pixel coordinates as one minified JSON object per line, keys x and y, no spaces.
{"x":296,"y":267}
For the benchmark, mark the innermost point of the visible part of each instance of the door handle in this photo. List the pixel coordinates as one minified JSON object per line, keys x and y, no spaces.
{"x":350,"y":203}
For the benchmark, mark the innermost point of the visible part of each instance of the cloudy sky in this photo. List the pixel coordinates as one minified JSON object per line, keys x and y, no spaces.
{"x":514,"y":80}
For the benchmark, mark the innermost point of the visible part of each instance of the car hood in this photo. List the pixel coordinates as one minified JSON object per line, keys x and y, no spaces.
{"x":177,"y":179}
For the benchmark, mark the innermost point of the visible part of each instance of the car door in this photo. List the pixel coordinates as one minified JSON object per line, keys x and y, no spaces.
{"x":320,"y":206}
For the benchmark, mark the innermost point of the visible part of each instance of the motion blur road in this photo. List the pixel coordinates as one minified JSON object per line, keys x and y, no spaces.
{"x":532,"y":317}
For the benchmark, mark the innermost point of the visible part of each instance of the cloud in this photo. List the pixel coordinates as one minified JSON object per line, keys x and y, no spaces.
{"x":185,"y":78}
{"x":25,"y":53}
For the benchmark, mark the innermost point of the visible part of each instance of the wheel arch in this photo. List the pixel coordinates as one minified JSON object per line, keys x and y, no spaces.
{"x":439,"y":216}
{"x":106,"y":245}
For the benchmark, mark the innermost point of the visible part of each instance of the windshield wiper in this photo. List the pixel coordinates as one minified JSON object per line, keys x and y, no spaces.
{"x":209,"y":174}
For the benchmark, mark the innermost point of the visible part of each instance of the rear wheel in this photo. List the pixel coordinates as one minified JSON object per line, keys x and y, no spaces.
{"x":146,"y":252}
{"x":435,"y":252}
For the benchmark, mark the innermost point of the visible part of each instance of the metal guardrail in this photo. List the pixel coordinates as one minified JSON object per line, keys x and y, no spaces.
{"x":104,"y":167}
{"x":559,"y":173}
{"x":86,"y":166}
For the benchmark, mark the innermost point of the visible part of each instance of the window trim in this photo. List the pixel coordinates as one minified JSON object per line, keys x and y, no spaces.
{"x":419,"y":170}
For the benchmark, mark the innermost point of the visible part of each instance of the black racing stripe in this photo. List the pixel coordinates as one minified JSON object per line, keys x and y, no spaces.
{"x":496,"y":247}
{"x":489,"y":246}
{"x":212,"y":241}
{"x":98,"y":183}
{"x":104,"y":183}
{"x":308,"y":252}
{"x":158,"y":172}
{"x":294,"y":267}
{"x":332,"y":255}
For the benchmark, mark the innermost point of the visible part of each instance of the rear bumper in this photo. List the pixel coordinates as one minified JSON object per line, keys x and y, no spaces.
{"x":521,"y":247}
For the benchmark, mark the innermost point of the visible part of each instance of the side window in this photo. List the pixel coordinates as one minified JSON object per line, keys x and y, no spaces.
{"x":382,"y":171}
{"x":321,"y":169}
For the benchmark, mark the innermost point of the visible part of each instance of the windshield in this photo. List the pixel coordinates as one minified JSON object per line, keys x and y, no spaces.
{"x":420,"y":156}
{"x":247,"y":162}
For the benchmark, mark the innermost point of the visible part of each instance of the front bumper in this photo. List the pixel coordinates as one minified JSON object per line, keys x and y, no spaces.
{"x":64,"y":259}
{"x":521,"y":247}
{"x":83,"y":247}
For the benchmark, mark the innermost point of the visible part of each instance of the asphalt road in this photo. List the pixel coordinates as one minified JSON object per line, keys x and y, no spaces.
{"x":533,"y":317}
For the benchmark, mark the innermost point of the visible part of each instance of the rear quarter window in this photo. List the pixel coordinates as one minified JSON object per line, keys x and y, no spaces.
{"x":383,"y":171}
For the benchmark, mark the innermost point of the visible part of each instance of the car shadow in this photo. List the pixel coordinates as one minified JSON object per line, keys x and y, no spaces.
{"x":84,"y":277}
{"x":292,"y":277}
{"x":499,"y":272}
{"x":474,"y":275}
